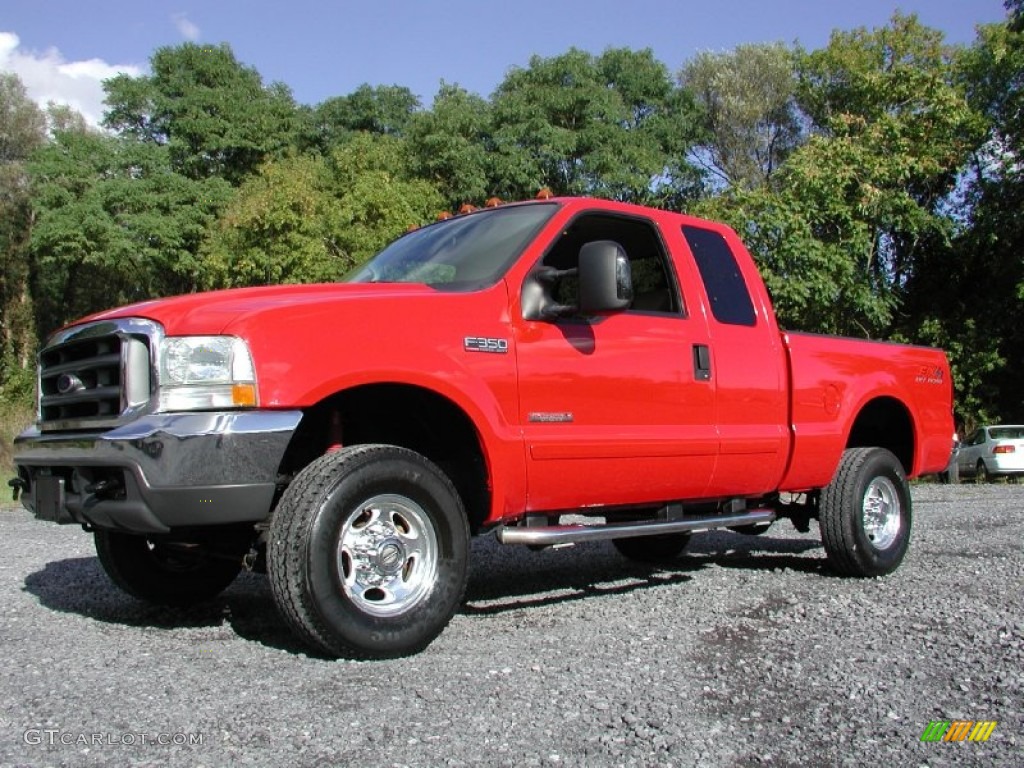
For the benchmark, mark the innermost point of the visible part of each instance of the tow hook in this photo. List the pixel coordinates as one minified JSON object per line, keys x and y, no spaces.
{"x":249,"y":559}
{"x":18,"y":486}
{"x":103,"y":486}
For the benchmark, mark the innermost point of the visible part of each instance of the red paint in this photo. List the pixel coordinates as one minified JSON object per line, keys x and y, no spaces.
{"x":595,"y":413}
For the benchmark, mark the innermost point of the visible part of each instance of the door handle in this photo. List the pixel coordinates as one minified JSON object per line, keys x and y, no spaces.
{"x":701,"y":362}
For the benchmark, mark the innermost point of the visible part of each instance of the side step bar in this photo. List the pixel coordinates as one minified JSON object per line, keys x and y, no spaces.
{"x":542,"y":536}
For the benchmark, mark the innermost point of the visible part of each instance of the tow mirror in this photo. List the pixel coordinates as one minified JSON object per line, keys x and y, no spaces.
{"x":606,"y":281}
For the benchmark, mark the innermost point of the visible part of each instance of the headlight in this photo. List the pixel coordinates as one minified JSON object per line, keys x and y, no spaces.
{"x":203,"y":372}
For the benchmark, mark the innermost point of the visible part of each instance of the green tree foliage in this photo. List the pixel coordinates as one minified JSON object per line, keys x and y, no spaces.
{"x":22,"y":131}
{"x":877,"y":181}
{"x":305,"y":219}
{"x":749,"y":113}
{"x":385,"y":110}
{"x":114,"y":223}
{"x":975,"y":298}
{"x":610,"y":125}
{"x":856,"y":210}
{"x":450,"y":146}
{"x":213,"y":113}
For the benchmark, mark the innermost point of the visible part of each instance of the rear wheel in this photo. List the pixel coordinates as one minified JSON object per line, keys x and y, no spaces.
{"x":368,"y":552}
{"x":653,"y":549}
{"x":170,"y":572}
{"x":981,"y":473}
{"x":751,"y":530}
{"x":865,"y":513}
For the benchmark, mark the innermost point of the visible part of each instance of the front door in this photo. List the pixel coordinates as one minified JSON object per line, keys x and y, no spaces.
{"x":614,"y":409}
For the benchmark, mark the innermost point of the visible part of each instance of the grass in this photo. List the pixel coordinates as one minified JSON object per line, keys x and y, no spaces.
{"x":14,"y":417}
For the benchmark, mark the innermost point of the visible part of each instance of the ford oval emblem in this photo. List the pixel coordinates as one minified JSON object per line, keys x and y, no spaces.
{"x":68,"y":383}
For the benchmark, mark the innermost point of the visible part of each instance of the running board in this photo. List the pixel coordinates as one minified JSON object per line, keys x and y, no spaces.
{"x":542,"y":536}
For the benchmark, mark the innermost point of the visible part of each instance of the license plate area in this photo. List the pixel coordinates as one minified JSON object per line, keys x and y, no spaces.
{"x":50,"y":500}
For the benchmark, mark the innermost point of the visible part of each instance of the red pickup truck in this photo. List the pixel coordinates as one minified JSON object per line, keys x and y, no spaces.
{"x":551,"y":371}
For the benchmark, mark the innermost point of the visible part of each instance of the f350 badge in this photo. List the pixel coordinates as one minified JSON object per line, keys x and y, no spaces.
{"x":485,"y":344}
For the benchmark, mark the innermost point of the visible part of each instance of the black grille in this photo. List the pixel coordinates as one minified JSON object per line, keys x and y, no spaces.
{"x":81,"y":380}
{"x":97,"y":375}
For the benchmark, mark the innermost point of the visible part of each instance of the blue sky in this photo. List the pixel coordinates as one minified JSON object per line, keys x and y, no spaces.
{"x":62,"y":49}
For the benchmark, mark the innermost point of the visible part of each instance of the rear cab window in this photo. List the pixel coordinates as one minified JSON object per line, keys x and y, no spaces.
{"x":723,"y":282}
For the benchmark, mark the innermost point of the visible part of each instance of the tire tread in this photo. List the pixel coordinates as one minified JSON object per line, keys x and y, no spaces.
{"x":291,"y":523}
{"x":839,"y":501}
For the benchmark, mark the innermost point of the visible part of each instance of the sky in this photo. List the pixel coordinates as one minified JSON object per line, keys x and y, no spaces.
{"x":63,"y":49}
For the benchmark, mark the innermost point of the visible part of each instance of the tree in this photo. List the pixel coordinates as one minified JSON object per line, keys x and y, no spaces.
{"x":213,"y":113}
{"x":385,"y":110}
{"x":114,"y":223}
{"x":276,"y":229}
{"x":749,"y":112}
{"x":974,"y":299}
{"x":449,"y":145}
{"x":22,"y":131}
{"x":854,"y":212}
{"x":609,"y":126}
{"x":312,"y":219}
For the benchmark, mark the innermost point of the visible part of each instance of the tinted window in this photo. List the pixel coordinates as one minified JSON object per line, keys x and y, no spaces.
{"x":654,"y":286}
{"x":730,"y":300}
{"x":463,"y":253}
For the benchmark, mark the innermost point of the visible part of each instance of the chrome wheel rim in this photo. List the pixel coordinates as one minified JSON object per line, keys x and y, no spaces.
{"x":881,"y":513}
{"x":387,"y":555}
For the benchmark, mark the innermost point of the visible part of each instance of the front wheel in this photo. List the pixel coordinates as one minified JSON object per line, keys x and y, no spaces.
{"x":368,"y":552}
{"x":865,"y":513}
{"x":171,"y":572}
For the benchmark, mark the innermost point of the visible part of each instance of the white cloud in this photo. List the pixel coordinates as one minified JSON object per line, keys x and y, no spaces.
{"x":48,"y":77}
{"x":187,"y":29}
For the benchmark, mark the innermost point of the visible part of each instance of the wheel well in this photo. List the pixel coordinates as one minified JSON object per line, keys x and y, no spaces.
{"x":407,"y":416}
{"x":885,"y":423}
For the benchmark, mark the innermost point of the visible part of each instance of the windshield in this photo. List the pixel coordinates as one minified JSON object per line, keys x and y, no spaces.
{"x":463,"y":253}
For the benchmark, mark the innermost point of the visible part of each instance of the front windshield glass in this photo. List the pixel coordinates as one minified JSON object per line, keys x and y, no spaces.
{"x":465,"y":253}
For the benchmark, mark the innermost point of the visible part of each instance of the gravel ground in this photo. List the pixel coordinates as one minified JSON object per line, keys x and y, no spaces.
{"x":746,"y":652}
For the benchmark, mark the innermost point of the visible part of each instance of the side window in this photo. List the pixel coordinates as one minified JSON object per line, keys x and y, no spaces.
{"x":727,"y":292}
{"x":654,"y":285}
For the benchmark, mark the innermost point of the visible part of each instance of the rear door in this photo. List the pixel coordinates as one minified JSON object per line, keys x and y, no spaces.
{"x":747,"y":363}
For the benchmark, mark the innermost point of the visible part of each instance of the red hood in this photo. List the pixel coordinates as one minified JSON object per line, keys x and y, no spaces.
{"x":211,"y":313}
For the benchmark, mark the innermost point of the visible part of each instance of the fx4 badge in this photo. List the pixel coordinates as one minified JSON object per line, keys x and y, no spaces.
{"x":483,"y":344}
{"x":929,"y":375}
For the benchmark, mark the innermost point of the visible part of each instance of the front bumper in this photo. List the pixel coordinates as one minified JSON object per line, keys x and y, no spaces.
{"x":159,"y":472}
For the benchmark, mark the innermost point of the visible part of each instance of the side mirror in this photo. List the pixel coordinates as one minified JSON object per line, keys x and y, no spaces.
{"x":606,"y":281}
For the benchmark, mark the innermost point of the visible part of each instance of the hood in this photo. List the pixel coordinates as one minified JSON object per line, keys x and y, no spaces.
{"x":213,"y":312}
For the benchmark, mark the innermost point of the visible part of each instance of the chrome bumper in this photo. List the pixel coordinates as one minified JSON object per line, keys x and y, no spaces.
{"x":159,"y":472}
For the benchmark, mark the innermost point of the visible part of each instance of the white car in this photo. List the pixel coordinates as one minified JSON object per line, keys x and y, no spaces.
{"x":991,"y":452}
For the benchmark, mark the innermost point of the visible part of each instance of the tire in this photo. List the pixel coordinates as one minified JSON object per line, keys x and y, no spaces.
{"x":751,"y":530}
{"x":169,"y":573}
{"x":981,"y":473}
{"x":865,"y":514}
{"x":653,"y":549}
{"x":368,"y":552}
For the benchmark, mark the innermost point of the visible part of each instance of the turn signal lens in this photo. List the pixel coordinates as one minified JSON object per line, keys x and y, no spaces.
{"x":244,"y":395}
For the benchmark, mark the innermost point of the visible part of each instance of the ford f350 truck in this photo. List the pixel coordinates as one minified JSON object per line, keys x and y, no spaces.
{"x":551,"y":371}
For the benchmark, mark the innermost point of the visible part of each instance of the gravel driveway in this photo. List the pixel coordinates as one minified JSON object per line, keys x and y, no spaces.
{"x":746,"y":652}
